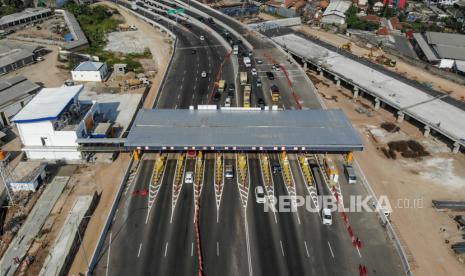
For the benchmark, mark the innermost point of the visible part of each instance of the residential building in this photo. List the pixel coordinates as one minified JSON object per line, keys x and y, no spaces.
{"x":90,"y":71}
{"x":335,"y":12}
{"x":15,"y":93}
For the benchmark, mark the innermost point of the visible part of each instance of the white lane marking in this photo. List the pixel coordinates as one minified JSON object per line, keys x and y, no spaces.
{"x":282,"y":248}
{"x":330,"y":249}
{"x":192,"y":249}
{"x":140,"y":248}
{"x":249,"y":258}
{"x":176,"y":107}
{"x":166,"y":248}
{"x":217,"y":249}
{"x":306,"y":249}
{"x":179,"y":96}
{"x":358,"y":250}
{"x":108,"y":257}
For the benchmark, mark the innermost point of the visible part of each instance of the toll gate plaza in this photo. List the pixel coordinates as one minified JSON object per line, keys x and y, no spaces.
{"x":243,"y":130}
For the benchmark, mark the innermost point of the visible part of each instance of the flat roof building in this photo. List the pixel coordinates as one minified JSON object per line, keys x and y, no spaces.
{"x":15,"y":93}
{"x":434,"y":46}
{"x":292,"y":130}
{"x":90,"y":71}
{"x":335,"y":13}
{"x":28,"y":16}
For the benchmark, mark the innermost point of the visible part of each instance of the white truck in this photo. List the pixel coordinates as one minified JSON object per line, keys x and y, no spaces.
{"x":247,"y":62}
{"x":134,"y":6}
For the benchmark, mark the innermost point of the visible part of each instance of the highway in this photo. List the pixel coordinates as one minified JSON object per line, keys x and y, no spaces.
{"x":236,"y":236}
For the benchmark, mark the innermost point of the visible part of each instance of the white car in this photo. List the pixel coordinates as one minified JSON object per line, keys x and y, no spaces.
{"x":189,"y":178}
{"x":254,"y":72}
{"x":202,"y":37}
{"x":326,"y":216}
{"x":276,"y":67}
{"x":204,"y":74}
{"x":227,"y":102}
{"x":259,"y":194}
{"x":259,"y":61}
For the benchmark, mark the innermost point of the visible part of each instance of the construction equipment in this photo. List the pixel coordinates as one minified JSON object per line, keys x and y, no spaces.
{"x":136,"y":83}
{"x":347,"y":46}
{"x":221,"y":86}
{"x":243,"y":78}
{"x":382,"y":59}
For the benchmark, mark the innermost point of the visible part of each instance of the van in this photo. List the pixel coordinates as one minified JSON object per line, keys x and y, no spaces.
{"x":229,"y":172}
{"x":189,"y":178}
{"x":326,"y":216}
{"x":259,"y":194}
{"x":350,"y":174}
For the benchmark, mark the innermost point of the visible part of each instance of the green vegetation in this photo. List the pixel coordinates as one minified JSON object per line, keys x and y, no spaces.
{"x":12,"y":6}
{"x":97,"y":21}
{"x":354,"y":22}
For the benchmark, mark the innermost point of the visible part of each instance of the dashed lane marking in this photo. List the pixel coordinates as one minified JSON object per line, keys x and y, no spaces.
{"x":331,"y":250}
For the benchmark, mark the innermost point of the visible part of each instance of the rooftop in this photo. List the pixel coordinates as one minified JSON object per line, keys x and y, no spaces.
{"x":11,"y":52}
{"x":442,"y":114}
{"x":22,"y":15}
{"x":15,"y":88}
{"x":89,"y":66}
{"x":338,"y":8}
{"x":48,"y":104}
{"x":312,"y":130}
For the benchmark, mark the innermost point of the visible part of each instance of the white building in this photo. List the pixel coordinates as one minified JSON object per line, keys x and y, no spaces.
{"x":51,"y":122}
{"x":335,"y":12}
{"x":90,"y":71}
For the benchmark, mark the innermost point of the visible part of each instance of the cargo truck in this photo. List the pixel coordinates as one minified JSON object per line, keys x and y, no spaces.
{"x":331,"y":169}
{"x":247,"y":91}
{"x":243,"y":78}
{"x":274,"y":90}
{"x":221,"y":86}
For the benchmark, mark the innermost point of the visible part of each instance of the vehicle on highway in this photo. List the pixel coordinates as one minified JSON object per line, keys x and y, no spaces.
{"x":201,"y":19}
{"x":211,"y":21}
{"x":247,"y":62}
{"x":221,"y":86}
{"x":247,"y":91}
{"x":275,"y":94}
{"x":350,"y":174}
{"x":250,"y":53}
{"x":275,"y":67}
{"x":216,"y":97}
{"x":276,"y":168}
{"x":261,"y":103}
{"x":326,"y":216}
{"x":243,"y":78}
{"x":204,"y":74}
{"x":231,"y":88}
{"x":254,"y":72}
{"x":193,"y":51}
{"x":259,"y":61}
{"x":258,"y":83}
{"x":270,"y":75}
{"x":202,"y":37}
{"x":189,"y":177}
{"x":235,"y":49}
{"x":229,"y":171}
{"x":227,"y":102}
{"x":259,"y":194}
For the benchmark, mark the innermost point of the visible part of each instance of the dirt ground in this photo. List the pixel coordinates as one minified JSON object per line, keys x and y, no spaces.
{"x":409,"y":184}
{"x":160,"y":48}
{"x":44,"y":30}
{"x":45,"y":71}
{"x":457,"y":91}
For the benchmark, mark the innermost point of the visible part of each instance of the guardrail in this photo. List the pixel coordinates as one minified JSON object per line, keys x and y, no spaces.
{"x":101,"y":241}
{"x":387,"y":224}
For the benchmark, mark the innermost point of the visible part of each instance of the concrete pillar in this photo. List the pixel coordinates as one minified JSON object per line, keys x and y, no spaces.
{"x":427,"y":131}
{"x":400,"y":116}
{"x":377,"y":103}
{"x":456,"y":147}
{"x":305,"y":64}
{"x":338,"y":81}
{"x":320,"y":70}
{"x":356,"y":92}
